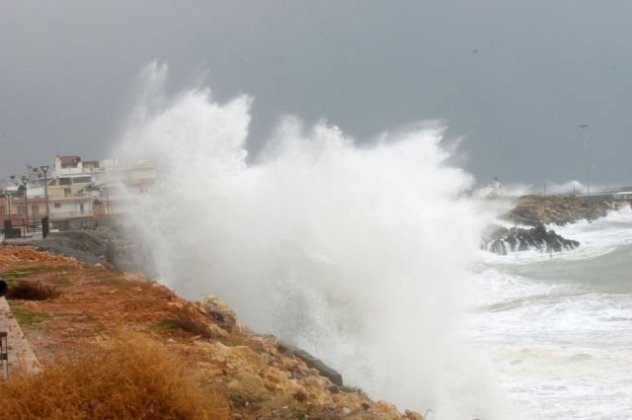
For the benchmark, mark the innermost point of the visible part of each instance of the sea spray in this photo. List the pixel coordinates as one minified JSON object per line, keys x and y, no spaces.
{"x":359,"y":254}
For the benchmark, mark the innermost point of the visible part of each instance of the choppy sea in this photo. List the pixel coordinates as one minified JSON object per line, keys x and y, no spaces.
{"x":559,"y":327}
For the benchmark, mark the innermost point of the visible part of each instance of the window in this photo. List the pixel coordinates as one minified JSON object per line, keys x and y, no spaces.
{"x":81,"y":209}
{"x":34,"y":210}
{"x":2,"y":211}
{"x":67,"y":192}
{"x":57,"y":205}
{"x":21,"y":210}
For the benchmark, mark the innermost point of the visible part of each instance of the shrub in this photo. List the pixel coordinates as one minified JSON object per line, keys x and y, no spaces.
{"x":135,"y":378}
{"x":32,"y":290}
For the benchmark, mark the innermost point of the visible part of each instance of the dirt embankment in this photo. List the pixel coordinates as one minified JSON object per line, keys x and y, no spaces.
{"x":260,"y":377}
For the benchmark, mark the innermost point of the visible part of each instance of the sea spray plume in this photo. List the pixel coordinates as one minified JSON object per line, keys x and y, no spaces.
{"x":357,"y":254}
{"x":148,"y":95}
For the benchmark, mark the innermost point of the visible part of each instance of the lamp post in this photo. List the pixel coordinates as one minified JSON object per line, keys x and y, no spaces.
{"x":25,"y":181}
{"x":587,"y":157}
{"x":23,"y":189}
{"x":12,"y":178}
{"x":8,"y":193}
{"x":44,"y":170}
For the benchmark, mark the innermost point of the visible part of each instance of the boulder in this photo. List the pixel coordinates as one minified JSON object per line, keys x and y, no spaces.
{"x":501,"y":240}
{"x":218,"y":311}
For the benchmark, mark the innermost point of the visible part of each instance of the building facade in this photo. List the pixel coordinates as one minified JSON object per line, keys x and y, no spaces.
{"x":74,"y":189}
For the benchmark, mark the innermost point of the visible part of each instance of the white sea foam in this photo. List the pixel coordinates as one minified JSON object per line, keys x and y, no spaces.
{"x":358,"y":254}
{"x":560,"y":328}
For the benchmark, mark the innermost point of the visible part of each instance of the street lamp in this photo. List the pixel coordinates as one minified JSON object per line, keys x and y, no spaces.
{"x":44,"y":170}
{"x":23,"y":189}
{"x":25,"y":181}
{"x":587,"y":157}
{"x":8,"y":193}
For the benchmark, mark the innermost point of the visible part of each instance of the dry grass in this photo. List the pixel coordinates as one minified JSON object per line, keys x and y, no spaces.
{"x":32,"y":290}
{"x":135,"y":378}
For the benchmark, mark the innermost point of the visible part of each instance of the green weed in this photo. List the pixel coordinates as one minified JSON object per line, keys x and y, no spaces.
{"x":26,"y":317}
{"x":13,"y":276}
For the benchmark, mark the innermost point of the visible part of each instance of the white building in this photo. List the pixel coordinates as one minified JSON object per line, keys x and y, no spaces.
{"x":80,"y":189}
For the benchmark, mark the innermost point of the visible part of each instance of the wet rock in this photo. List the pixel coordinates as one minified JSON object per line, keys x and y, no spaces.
{"x":333,"y":389}
{"x":312,"y":362}
{"x":501,"y":240}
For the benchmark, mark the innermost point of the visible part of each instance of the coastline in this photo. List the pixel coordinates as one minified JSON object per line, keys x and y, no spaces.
{"x":261,"y":377}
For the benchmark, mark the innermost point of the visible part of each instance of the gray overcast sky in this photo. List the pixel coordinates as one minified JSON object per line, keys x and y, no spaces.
{"x":516,"y":78}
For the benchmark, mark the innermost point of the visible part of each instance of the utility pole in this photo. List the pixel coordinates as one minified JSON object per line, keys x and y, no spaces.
{"x":24,"y":190}
{"x":586,"y":156}
{"x":44,"y":169}
{"x":9,"y":206}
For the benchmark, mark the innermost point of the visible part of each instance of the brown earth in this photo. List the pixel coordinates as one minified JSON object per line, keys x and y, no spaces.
{"x":93,"y":304}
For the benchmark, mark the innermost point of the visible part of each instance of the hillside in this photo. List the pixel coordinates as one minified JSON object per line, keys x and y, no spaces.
{"x":86,"y":306}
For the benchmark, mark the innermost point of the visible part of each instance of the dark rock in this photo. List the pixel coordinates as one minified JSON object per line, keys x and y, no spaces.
{"x":333,"y":389}
{"x":311,"y":362}
{"x":501,"y":240}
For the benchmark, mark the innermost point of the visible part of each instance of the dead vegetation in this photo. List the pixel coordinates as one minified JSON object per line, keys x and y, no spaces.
{"x":133,"y":378}
{"x":32,"y":290}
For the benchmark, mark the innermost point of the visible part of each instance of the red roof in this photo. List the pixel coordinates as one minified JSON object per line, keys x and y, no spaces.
{"x":69,"y":160}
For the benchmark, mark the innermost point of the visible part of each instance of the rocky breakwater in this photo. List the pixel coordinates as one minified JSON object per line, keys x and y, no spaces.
{"x":532,"y":210}
{"x":531,"y":213}
{"x":501,"y":240}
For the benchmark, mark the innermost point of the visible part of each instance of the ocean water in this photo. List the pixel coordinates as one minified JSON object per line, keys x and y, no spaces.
{"x":559,"y":328}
